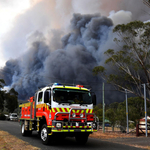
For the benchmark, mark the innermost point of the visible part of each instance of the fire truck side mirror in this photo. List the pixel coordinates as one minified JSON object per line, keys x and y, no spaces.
{"x":94,"y":99}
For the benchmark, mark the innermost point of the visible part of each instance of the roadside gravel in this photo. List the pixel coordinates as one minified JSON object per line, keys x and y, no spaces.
{"x":123,"y":138}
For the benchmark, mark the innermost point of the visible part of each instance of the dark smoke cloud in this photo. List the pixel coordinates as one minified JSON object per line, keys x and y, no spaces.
{"x":72,"y":63}
{"x":45,"y":55}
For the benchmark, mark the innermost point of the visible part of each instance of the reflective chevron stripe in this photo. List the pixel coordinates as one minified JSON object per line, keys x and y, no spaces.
{"x":54,"y":110}
{"x":72,"y":130}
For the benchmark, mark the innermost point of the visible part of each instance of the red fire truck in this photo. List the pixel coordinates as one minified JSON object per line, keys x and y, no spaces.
{"x":60,"y":111}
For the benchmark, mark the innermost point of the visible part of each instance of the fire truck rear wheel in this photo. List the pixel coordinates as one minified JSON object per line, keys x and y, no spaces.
{"x":44,"y":135}
{"x":82,"y":139}
{"x":23,"y":131}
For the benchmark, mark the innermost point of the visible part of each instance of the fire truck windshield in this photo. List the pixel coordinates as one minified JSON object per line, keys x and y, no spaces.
{"x":72,"y":96}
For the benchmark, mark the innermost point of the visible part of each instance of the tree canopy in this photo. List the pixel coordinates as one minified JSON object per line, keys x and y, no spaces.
{"x":116,"y":112}
{"x":10,"y":98}
{"x":130,"y":65}
{"x":2,"y":93}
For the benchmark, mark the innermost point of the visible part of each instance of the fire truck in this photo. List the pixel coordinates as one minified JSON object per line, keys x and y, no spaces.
{"x":60,"y":111}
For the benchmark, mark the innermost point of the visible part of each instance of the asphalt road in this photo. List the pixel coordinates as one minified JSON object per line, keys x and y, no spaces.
{"x":69,"y":143}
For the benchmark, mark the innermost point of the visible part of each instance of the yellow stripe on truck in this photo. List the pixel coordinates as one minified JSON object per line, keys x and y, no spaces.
{"x":77,"y":88}
{"x":82,"y":111}
{"x":77,"y":111}
{"x":82,"y":130}
{"x":87,"y":110}
{"x":91,"y":110}
{"x":71,"y":130}
{"x":53,"y":110}
{"x":58,"y":110}
{"x":63,"y":109}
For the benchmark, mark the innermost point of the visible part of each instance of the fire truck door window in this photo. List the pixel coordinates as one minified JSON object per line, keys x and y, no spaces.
{"x":47,"y":97}
{"x":40,"y":97}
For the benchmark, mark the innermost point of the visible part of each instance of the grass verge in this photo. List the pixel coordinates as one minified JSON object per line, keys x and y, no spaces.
{"x":118,"y":135}
{"x":10,"y":142}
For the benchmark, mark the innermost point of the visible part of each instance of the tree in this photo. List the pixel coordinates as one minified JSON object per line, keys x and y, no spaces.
{"x":121,"y":116}
{"x":111,"y":114}
{"x":135,"y":110}
{"x":11,"y":100}
{"x":99,"y":112}
{"x":131,"y":63}
{"x":2,"y":94}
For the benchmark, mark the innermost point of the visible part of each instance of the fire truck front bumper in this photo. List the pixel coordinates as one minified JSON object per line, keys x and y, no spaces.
{"x":73,"y":130}
{"x":75,"y":123}
{"x":59,"y":127}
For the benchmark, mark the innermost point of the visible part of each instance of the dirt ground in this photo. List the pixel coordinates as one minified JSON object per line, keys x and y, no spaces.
{"x":9,"y":142}
{"x":111,"y":135}
{"x":122,"y":138}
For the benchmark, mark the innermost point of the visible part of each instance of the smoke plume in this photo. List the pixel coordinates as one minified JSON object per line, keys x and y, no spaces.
{"x":73,"y":63}
{"x":54,"y":49}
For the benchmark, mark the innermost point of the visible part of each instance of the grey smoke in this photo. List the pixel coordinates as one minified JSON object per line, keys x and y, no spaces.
{"x":45,"y":57}
{"x":73,"y":63}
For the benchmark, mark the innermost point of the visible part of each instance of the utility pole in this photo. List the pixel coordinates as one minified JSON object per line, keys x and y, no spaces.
{"x":145,"y":108}
{"x":103,"y":111}
{"x":127,"y":111}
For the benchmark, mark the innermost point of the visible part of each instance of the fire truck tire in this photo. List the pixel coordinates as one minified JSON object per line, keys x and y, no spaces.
{"x":81,"y":139}
{"x":44,"y":135}
{"x":23,"y":131}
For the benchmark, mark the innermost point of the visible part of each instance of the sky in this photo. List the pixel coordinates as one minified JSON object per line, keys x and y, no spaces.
{"x":35,"y":33}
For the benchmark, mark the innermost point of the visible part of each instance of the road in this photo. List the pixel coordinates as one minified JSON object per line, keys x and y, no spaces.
{"x":69,"y":143}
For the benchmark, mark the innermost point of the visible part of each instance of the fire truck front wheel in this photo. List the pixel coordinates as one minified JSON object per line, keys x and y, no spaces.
{"x":44,"y":135}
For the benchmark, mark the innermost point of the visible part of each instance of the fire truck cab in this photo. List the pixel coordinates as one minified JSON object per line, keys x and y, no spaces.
{"x":60,"y":111}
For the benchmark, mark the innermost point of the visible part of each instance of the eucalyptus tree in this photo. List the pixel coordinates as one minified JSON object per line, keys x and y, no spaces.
{"x":11,"y":98}
{"x":130,"y":65}
{"x":2,"y":95}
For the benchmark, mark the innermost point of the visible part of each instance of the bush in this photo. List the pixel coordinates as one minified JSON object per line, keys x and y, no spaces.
{"x":2,"y":117}
{"x":131,"y":125}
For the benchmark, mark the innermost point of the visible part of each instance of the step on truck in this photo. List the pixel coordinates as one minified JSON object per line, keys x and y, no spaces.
{"x":59,"y":111}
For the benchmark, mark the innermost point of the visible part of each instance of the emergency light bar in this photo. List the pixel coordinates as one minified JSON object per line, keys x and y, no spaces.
{"x":80,"y":86}
{"x":57,"y":84}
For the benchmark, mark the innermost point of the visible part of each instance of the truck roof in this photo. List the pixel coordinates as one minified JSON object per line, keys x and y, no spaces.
{"x":57,"y":85}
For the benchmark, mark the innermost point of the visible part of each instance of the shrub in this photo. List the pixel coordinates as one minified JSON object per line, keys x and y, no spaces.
{"x":2,"y":117}
{"x":131,"y":125}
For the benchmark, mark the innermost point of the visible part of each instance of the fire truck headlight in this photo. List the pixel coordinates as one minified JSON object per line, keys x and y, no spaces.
{"x":58,"y":125}
{"x":73,"y":115}
{"x":81,"y":115}
{"x":94,"y":125}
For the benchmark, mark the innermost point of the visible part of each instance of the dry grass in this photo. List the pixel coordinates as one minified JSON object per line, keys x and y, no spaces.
{"x":110,"y":135}
{"x":9,"y":142}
